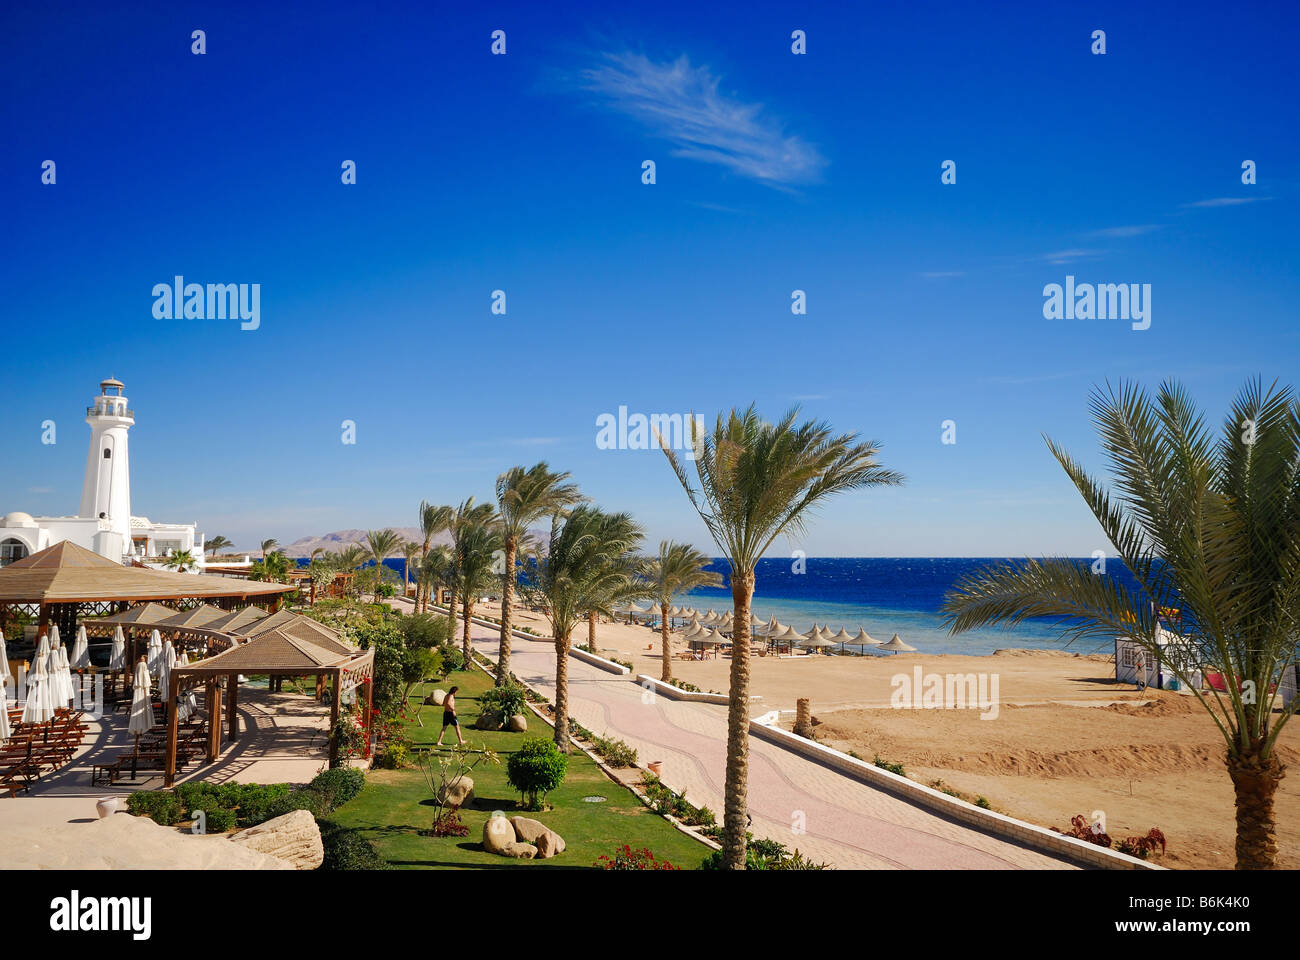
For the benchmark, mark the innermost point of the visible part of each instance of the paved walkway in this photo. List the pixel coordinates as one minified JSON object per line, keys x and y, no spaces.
{"x":844,"y":822}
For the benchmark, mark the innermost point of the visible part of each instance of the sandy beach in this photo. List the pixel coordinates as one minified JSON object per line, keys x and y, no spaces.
{"x":1066,"y":740}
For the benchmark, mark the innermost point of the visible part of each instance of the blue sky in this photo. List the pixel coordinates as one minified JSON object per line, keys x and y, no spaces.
{"x":522,"y":172}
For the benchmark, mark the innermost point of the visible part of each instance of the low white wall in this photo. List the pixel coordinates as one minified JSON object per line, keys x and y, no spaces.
{"x":677,"y":693}
{"x":1039,"y":838}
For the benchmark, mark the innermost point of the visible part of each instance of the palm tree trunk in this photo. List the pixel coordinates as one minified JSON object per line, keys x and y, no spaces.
{"x":451,"y":612}
{"x":507,"y":605}
{"x":1255,"y":781}
{"x":668,"y":649}
{"x":468,"y":605}
{"x":562,"y":692}
{"x":735,"y":820}
{"x":591,"y":631}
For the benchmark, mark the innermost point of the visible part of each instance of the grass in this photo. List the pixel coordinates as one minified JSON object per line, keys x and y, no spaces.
{"x":395,"y":804}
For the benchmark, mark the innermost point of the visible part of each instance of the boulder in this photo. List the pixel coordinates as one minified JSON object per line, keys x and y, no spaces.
{"x":497,"y":835}
{"x":488,"y":721}
{"x":518,"y":723}
{"x":520,"y":851}
{"x":460,"y":793}
{"x":547,"y":841}
{"x":436,"y":698}
{"x":294,"y":838}
{"x":549,"y":844}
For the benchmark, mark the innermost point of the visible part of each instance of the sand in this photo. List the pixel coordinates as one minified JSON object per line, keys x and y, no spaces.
{"x":1067,"y":739}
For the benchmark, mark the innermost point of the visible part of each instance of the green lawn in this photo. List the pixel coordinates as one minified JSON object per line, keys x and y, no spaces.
{"x":395,"y":804}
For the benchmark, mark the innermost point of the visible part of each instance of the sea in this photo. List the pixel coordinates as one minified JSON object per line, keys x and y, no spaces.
{"x":884,"y":596}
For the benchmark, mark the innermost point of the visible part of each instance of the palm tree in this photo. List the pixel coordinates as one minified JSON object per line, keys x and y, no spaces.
{"x":350,"y":558}
{"x":478,"y":544}
{"x":216,"y":544}
{"x":679,"y":568}
{"x":381,"y":544}
{"x":433,"y":521}
{"x":756,"y":481}
{"x":462,"y":518}
{"x":524,"y":497}
{"x":268,"y":546}
{"x":436,"y":569}
{"x":589,"y":566}
{"x":411,"y":551}
{"x":181,"y":560}
{"x":1209,"y":528}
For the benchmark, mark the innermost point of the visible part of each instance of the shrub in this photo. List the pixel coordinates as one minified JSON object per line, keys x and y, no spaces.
{"x":1143,"y":847}
{"x":393,"y":755}
{"x":535,"y":769}
{"x":452,"y":658}
{"x":504,"y":701}
{"x":891,"y":767}
{"x":625,"y":858}
{"x":339,"y":786}
{"x":160,"y":806}
{"x":219,"y":820}
{"x":1080,"y":829}
{"x":346,"y":849}
{"x":616,"y":752}
{"x":764,"y":854}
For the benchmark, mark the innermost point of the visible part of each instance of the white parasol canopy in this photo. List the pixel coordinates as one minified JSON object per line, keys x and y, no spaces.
{"x":81,"y":650}
{"x":185,"y":704}
{"x":117,"y":654}
{"x":166,"y":662}
{"x":154,"y":652}
{"x":5,"y":732}
{"x":5,"y":675}
{"x":897,"y":646}
{"x":39,"y":707}
{"x":60,"y":676}
{"x":141,"y":710}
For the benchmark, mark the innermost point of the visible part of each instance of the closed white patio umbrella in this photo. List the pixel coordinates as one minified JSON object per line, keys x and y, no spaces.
{"x":5,"y":675}
{"x":185,"y":704}
{"x":5,"y":732}
{"x":39,"y":707}
{"x":166,"y":662}
{"x":60,"y":676}
{"x":117,"y":653}
{"x":80,"y":650}
{"x":141,"y":721}
{"x":154,"y":652}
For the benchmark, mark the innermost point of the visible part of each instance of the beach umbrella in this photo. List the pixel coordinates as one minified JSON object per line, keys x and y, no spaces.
{"x":166,"y":662}
{"x":816,"y":643}
{"x":693,"y":631}
{"x":55,"y":639}
{"x":39,"y":707}
{"x":141,"y":721}
{"x":60,"y":681}
{"x":185,"y":704}
{"x":709,"y":618}
{"x":81,"y":650}
{"x":842,"y":638}
{"x":117,"y":654}
{"x":675,"y":611}
{"x":5,"y":732}
{"x":5,"y":675}
{"x":896,"y":645}
{"x":154,"y":652}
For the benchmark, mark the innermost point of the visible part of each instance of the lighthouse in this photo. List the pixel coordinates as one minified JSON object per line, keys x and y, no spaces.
{"x":106,"y":492}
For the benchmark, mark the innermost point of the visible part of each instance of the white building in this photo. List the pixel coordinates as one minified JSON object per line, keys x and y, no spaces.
{"x":104,"y":523}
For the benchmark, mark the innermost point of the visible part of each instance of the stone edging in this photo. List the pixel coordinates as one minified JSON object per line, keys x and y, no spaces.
{"x":677,"y":693}
{"x":1027,"y":834}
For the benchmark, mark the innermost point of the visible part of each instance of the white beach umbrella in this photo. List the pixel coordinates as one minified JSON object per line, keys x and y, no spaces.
{"x":55,"y":639}
{"x":154,"y":651}
{"x":60,"y":676}
{"x":789,"y":634}
{"x":39,"y":707}
{"x":165,"y":664}
{"x":5,"y":732}
{"x":5,"y":675}
{"x":117,"y":654}
{"x":141,"y":710}
{"x":185,"y":704}
{"x":896,"y":645}
{"x":709,"y":618}
{"x":81,"y":650}
{"x":842,"y":637}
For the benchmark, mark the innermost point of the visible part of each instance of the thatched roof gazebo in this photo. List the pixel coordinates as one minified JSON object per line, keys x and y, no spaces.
{"x":64,"y":583}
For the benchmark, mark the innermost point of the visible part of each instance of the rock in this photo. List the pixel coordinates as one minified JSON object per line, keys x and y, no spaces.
{"x":488,"y":721}
{"x":436,"y":698}
{"x":549,"y":844}
{"x":459,"y":793}
{"x":518,"y":723}
{"x":497,"y":835}
{"x":520,"y":851}
{"x":294,"y":838}
{"x":547,"y":841}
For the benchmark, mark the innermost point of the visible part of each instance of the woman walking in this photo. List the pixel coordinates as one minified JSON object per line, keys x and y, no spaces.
{"x":449,"y":717}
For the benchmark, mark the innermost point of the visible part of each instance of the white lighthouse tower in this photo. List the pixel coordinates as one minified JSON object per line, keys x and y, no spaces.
{"x":106,"y":492}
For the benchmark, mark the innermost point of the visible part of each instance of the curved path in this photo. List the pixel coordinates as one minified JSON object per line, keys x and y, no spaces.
{"x":826,"y":815}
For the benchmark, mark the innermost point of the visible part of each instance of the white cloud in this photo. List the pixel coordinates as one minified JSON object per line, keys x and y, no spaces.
{"x":682,"y":104}
{"x":942,"y":274}
{"x":1069,"y":256}
{"x":1222,"y":202}
{"x":1134,"y":231}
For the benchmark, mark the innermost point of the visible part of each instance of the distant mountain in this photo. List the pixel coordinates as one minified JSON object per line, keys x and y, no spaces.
{"x":340,"y":539}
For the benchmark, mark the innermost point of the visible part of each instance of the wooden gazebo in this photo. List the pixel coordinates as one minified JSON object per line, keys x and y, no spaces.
{"x":278,"y":651}
{"x":64,"y":583}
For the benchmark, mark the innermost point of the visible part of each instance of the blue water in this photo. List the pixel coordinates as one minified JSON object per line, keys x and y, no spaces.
{"x":884,"y":595}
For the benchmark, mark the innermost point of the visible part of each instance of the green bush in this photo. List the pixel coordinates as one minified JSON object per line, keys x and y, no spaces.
{"x":503,"y":701}
{"x":615,"y":752}
{"x":763,"y":854}
{"x":338,"y":786}
{"x":346,"y":849}
{"x":535,"y":769}
{"x":218,"y":820}
{"x":160,"y":806}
